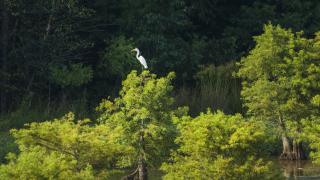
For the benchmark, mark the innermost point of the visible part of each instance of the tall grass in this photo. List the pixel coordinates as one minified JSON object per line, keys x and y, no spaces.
{"x":216,"y":88}
{"x":37,"y":110}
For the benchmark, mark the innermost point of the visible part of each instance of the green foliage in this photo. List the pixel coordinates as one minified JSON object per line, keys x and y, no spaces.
{"x":316,"y":100}
{"x":281,"y":77}
{"x":145,"y":106}
{"x":66,"y":148}
{"x":75,"y":149}
{"x":7,"y":145}
{"x":311,"y":133}
{"x":73,"y":75}
{"x":37,"y":163}
{"x":118,"y":58}
{"x":219,"y":146}
{"x":84,"y":47}
{"x":178,"y":35}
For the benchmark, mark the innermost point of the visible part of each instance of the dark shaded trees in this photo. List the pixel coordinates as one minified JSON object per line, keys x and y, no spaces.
{"x":52,"y":38}
{"x":4,"y":55}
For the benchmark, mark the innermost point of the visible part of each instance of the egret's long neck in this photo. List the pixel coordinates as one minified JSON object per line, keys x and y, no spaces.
{"x":138,"y":53}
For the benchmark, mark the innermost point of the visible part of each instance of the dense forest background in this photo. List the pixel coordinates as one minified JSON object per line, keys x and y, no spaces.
{"x":58,"y":56}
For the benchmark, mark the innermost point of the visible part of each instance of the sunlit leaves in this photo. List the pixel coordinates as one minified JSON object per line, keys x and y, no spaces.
{"x":311,"y":134}
{"x":66,"y":147}
{"x":218,"y":146}
{"x":281,"y":77}
{"x":38,"y":163}
{"x":145,"y":105}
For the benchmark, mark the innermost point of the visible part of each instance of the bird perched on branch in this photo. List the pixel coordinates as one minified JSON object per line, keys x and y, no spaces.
{"x":140,"y":58}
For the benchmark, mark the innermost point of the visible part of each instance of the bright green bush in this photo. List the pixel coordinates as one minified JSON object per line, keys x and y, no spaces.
{"x":39,"y":163}
{"x":312,"y":135}
{"x":65,"y":149}
{"x":145,"y":106}
{"x":218,"y":146}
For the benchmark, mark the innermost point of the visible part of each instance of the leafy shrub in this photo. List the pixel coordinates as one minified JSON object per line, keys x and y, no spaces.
{"x":65,"y":148}
{"x":218,"y":146}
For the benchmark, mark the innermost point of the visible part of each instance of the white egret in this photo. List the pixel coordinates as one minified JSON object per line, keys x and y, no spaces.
{"x":140,"y":58}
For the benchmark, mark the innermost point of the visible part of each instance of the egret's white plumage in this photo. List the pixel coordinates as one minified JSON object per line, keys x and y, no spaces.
{"x":140,"y":58}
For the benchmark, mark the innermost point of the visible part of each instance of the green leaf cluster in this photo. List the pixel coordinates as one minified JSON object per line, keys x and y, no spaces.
{"x":311,"y":133}
{"x":218,"y":146}
{"x":65,"y":149}
{"x":73,"y":75}
{"x":281,"y":77}
{"x":145,"y":106}
{"x":118,"y":58}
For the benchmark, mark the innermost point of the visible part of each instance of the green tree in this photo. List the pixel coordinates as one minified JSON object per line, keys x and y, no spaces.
{"x":66,"y":149}
{"x":144,"y":111}
{"x":218,"y":146}
{"x":280,"y":81}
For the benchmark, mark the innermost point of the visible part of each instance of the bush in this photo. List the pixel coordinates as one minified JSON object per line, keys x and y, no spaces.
{"x":65,"y":148}
{"x":218,"y":146}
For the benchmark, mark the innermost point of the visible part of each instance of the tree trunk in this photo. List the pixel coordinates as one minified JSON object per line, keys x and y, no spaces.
{"x":131,"y":176}
{"x":297,"y":151}
{"x":142,"y":168}
{"x":142,"y":165}
{"x":286,"y":148}
{"x":286,"y":143}
{"x":4,"y":46}
{"x":141,"y":172}
{"x":291,"y":149}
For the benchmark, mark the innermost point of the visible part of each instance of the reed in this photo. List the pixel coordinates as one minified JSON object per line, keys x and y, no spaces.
{"x":216,"y":88}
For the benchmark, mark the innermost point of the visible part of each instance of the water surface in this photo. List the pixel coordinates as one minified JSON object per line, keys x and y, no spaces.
{"x":290,"y":170}
{"x":299,"y":169}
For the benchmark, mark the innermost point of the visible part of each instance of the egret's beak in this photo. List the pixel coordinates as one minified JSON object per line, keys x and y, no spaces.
{"x":133,"y":50}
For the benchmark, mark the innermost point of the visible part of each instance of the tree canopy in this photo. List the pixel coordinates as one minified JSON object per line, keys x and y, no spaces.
{"x":215,"y":145}
{"x":281,"y":82}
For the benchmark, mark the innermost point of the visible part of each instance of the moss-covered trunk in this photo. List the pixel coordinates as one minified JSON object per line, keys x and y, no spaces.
{"x":141,"y":172}
{"x":286,"y":148}
{"x":291,"y":148}
{"x":297,"y":151}
{"x":142,"y":169}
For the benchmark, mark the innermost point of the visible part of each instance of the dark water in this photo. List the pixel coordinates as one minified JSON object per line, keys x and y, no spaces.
{"x":289,"y":170}
{"x":299,"y":169}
